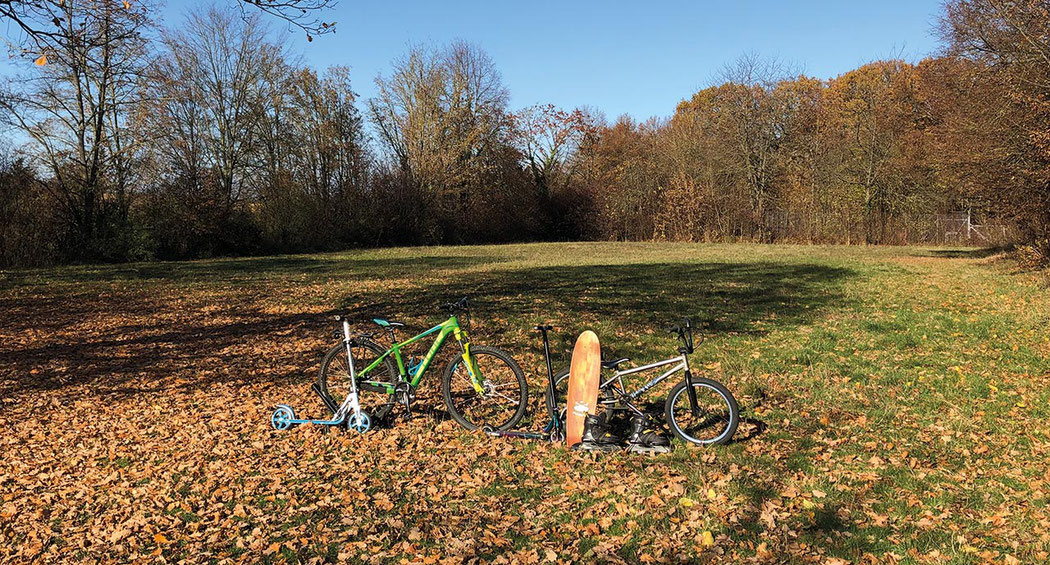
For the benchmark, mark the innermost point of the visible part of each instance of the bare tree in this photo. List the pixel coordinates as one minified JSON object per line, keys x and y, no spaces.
{"x":548,"y":138}
{"x":210,"y":89}
{"x":331,"y":157}
{"x":76,"y":109}
{"x":441,"y":114}
{"x":40,"y":22}
{"x":758,"y":116}
{"x":312,"y":189}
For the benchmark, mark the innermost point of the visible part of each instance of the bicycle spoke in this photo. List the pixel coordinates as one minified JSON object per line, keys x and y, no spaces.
{"x":712,"y":420}
{"x":512,"y":400}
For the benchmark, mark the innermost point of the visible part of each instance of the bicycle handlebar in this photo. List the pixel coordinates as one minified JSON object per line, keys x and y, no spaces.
{"x":683,"y":326}
{"x":463,"y":304}
{"x":685,"y":332}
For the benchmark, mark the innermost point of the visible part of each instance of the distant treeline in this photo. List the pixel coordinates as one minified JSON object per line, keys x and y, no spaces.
{"x":210,"y":139}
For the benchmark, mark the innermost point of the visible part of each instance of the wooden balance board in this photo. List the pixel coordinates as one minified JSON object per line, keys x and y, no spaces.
{"x":583,"y":385}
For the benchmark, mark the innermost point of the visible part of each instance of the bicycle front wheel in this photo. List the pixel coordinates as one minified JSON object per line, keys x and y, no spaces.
{"x":504,"y":396}
{"x":715,"y":420}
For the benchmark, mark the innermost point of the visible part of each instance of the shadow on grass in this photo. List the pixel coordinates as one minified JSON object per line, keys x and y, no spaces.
{"x":720,"y":298}
{"x":242,"y":269}
{"x":147,"y":360}
{"x":747,"y":298}
{"x":827,"y":524}
{"x":980,"y":253}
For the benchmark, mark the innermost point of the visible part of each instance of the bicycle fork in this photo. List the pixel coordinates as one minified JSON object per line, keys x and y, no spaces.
{"x":472,"y":369}
{"x":688,"y":376}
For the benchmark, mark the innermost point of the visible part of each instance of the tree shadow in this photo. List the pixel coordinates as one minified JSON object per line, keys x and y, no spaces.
{"x":634,"y":299}
{"x":148,"y":362}
{"x":979,"y":253}
{"x":725,"y":297}
{"x":744,"y":298}
{"x":243,"y":269}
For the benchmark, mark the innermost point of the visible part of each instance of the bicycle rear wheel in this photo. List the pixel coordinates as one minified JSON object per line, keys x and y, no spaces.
{"x":503,"y":401}
{"x":334,"y":378}
{"x":717,"y":416}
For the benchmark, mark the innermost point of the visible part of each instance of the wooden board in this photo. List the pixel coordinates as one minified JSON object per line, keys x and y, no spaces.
{"x":583,"y":385}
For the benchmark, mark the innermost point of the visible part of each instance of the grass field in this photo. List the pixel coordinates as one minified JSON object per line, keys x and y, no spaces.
{"x":896,"y":405}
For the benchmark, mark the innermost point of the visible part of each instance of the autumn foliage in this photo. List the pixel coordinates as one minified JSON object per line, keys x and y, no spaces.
{"x":213,"y":141}
{"x":894,"y":405}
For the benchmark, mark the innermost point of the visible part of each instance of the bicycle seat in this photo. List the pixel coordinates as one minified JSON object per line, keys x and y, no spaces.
{"x":614,"y":364}
{"x":387,"y":323}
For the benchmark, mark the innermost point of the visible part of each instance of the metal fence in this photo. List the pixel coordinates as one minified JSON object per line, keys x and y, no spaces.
{"x":959,"y":228}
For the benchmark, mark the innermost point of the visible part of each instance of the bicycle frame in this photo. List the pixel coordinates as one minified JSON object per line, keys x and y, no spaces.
{"x":448,"y":327}
{"x":681,"y":364}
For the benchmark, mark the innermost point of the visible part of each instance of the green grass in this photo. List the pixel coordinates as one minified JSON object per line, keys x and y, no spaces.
{"x":895,"y":402}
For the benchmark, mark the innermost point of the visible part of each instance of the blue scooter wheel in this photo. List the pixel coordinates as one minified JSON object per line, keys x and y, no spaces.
{"x":282,"y":417}
{"x":360,"y":422}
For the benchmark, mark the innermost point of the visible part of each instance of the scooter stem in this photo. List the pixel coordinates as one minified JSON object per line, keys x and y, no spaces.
{"x":355,"y":404}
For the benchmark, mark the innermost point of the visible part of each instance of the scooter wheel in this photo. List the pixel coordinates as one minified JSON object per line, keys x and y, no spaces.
{"x":359,"y":422}
{"x":282,"y":417}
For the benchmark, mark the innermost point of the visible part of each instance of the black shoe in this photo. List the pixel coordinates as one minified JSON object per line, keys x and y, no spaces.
{"x":646,"y":437}
{"x":597,"y":436}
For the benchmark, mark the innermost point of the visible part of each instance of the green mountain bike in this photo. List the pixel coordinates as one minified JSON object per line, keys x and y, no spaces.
{"x":483,"y":387}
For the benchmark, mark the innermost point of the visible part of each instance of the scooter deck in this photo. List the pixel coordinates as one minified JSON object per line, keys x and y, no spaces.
{"x":317,"y":422}
{"x":284,"y":417}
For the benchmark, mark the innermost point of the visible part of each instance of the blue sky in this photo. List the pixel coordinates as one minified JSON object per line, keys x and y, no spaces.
{"x":636,"y":57}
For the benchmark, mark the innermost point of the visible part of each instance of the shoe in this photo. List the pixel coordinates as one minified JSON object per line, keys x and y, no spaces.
{"x":597,"y":436}
{"x":646,"y":437}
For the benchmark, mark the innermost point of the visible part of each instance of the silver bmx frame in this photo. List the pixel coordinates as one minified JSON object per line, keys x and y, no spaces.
{"x":681,"y":364}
